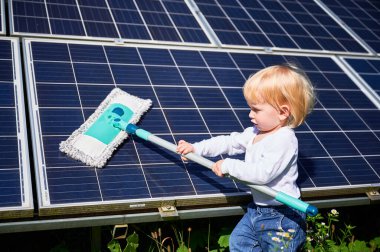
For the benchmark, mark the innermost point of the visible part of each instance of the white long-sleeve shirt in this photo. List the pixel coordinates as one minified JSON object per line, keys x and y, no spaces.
{"x":272,"y":161}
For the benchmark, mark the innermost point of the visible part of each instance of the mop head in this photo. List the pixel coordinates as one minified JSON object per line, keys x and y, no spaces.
{"x":96,"y":139}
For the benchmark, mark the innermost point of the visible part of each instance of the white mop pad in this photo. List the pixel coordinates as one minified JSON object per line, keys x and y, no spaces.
{"x":90,"y":150}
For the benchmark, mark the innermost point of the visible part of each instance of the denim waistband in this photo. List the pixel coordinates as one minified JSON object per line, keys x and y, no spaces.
{"x":269,"y":209}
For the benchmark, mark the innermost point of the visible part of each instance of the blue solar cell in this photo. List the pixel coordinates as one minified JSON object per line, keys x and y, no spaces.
{"x":197,"y":76}
{"x":126,"y":74}
{"x":155,"y":122}
{"x":309,"y":146}
{"x":209,"y":98}
{"x":358,"y":99}
{"x":320,"y":120}
{"x":171,"y":97}
{"x":92,"y":96}
{"x":348,"y":120}
{"x":93,"y":73}
{"x":164,"y":75}
{"x":74,"y":184}
{"x":84,"y":53}
{"x":123,"y":183}
{"x":6,"y":70}
{"x":50,"y":51}
{"x":56,"y":72}
{"x":323,"y":172}
{"x":5,"y":49}
{"x":366,"y":142}
{"x":188,"y":58}
{"x":229,"y":77}
{"x":221,"y":121}
{"x":10,"y":193}
{"x":7,"y":95}
{"x":235,"y":97}
{"x":331,"y":99}
{"x":7,"y":121}
{"x":66,"y":27}
{"x":337,"y":144}
{"x":60,"y":121}
{"x":185,"y":121}
{"x":368,"y":69}
{"x":161,"y":184}
{"x":152,"y":56}
{"x":66,"y":95}
{"x":218,"y":59}
{"x":9,"y":153}
{"x":123,"y":55}
{"x":357,"y":170}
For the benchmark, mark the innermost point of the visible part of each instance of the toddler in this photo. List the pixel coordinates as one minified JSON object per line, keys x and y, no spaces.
{"x":280,"y":97}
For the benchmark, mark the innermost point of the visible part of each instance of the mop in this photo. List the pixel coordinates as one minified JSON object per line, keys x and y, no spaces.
{"x":96,"y":139}
{"x":115,"y":118}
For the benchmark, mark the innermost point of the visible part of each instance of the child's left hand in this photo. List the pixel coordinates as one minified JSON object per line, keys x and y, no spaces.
{"x":217,"y":168}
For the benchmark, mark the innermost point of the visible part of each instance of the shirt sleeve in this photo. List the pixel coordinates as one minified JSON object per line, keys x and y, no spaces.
{"x":232,"y":144}
{"x":279,"y":155}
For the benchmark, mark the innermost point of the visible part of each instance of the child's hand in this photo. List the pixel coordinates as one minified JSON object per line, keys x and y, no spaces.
{"x":217,"y":168}
{"x":183,"y":148}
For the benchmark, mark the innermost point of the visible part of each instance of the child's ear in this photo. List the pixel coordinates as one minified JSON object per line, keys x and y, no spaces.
{"x":284,"y":112}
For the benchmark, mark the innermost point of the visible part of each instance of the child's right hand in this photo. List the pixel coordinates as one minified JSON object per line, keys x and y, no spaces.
{"x":183,"y":148}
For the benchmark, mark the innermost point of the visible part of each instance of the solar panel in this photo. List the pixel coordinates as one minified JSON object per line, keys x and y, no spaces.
{"x":278,"y":24}
{"x":361,"y":16}
{"x":369,"y":71}
{"x":15,"y":182}
{"x":153,"y":20}
{"x":196,"y":94}
{"x":2,"y":17}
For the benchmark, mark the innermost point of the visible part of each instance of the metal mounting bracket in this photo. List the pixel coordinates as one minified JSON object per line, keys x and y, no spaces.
{"x":168,"y":211}
{"x":373,"y":195}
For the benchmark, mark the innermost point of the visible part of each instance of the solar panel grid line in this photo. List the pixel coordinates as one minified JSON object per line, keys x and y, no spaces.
{"x":345,"y":26}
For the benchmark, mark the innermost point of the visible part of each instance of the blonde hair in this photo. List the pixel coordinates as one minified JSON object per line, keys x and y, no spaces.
{"x":282,"y":85}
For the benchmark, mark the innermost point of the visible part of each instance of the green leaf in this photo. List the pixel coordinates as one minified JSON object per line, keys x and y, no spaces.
{"x":182,"y":248}
{"x":375,"y":243}
{"x":358,"y":246}
{"x":132,"y":243}
{"x":224,"y":241}
{"x":114,"y":246}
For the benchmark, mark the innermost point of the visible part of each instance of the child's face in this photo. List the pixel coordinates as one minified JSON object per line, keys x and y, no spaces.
{"x":265,"y":117}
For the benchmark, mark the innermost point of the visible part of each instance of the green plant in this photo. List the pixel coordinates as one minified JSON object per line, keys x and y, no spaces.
{"x":132,"y":241}
{"x":323,"y":236}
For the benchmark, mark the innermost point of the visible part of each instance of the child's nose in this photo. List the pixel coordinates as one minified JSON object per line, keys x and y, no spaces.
{"x":251,"y":114}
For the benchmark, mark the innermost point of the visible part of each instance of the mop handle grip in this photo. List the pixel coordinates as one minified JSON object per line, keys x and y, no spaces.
{"x":279,"y":196}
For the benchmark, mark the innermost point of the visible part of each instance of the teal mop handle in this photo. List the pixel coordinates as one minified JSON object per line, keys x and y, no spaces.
{"x":279,"y":196}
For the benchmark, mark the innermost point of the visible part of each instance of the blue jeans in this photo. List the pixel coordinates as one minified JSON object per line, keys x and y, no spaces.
{"x":272,"y":228}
